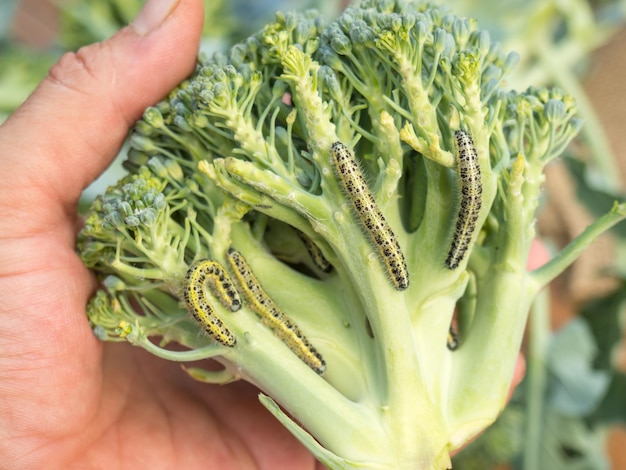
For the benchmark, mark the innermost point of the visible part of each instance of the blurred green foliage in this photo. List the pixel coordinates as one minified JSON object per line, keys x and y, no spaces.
{"x":87,"y":21}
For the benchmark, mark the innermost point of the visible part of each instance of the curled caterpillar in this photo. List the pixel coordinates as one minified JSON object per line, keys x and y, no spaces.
{"x":372,"y":219}
{"x":470,"y":200}
{"x":211,"y":273}
{"x":282,"y":326}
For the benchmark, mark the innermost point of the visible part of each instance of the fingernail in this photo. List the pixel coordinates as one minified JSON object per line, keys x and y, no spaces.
{"x":152,"y":15}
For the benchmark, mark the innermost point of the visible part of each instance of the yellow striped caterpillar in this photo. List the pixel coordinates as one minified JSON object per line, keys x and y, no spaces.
{"x":314,"y":252}
{"x":271,"y":315}
{"x":372,"y":219}
{"x":470,"y":200}
{"x":211,"y":273}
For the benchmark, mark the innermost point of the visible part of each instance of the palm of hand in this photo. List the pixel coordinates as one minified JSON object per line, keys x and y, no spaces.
{"x":68,"y":401}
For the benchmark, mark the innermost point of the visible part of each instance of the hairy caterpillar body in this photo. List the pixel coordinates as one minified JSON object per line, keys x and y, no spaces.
{"x":372,"y":219}
{"x":470,"y":200}
{"x":211,"y":273}
{"x":271,"y":315}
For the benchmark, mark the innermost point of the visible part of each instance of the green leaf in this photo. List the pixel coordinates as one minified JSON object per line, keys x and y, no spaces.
{"x":569,"y":444}
{"x":578,"y":388}
{"x":603,"y":318}
{"x":612,"y":409}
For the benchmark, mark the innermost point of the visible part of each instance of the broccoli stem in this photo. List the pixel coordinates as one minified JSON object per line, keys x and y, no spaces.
{"x":546,"y":273}
{"x":536,"y":378}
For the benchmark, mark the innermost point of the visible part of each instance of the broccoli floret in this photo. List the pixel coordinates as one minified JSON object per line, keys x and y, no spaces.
{"x":357,"y":182}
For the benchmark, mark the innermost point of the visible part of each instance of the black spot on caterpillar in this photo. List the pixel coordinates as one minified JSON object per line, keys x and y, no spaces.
{"x":372,"y":219}
{"x":211,"y":273}
{"x":282,"y":326}
{"x":314,"y":252}
{"x":453,"y":339}
{"x":470,"y":200}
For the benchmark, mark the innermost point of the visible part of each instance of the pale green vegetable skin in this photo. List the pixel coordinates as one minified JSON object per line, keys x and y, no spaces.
{"x":240,"y":154}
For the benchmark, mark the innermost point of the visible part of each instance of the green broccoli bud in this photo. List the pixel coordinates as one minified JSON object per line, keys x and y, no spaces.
{"x":438,"y":158}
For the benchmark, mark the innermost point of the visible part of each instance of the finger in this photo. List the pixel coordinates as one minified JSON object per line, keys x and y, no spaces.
{"x":538,"y":255}
{"x":73,"y":124}
{"x":518,"y":374}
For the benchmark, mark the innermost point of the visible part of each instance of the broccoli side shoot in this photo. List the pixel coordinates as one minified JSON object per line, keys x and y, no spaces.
{"x":341,"y":213}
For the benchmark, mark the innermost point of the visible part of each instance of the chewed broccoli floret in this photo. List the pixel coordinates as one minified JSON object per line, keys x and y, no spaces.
{"x":345,"y":211}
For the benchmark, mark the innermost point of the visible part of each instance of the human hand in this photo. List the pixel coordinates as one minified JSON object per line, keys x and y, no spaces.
{"x":67,"y":400}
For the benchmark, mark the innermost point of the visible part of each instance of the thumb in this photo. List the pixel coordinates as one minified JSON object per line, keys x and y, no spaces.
{"x":74,"y":123}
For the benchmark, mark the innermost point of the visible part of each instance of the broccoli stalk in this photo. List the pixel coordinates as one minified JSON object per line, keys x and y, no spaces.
{"x":239,"y":157}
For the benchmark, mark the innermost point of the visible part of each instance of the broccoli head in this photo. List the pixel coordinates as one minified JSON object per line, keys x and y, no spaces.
{"x":341,"y":214}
